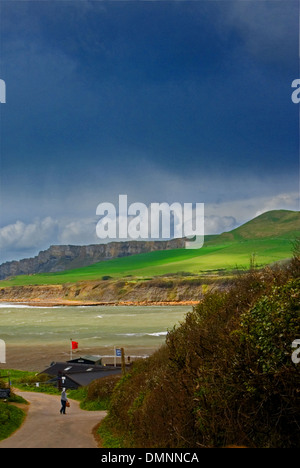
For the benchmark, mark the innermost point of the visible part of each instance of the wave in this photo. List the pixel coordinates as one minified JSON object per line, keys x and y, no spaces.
{"x":13,"y":305}
{"x":8,"y":305}
{"x":164,"y":333}
{"x":115,"y":315}
{"x":158,"y":334}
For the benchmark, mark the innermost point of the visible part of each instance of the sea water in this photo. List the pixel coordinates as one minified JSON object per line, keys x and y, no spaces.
{"x":90,"y":326}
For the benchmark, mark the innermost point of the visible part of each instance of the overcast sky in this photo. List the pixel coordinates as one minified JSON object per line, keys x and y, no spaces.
{"x":185,"y":101}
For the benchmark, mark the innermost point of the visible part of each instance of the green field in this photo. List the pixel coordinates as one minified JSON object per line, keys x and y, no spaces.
{"x":269,"y":238}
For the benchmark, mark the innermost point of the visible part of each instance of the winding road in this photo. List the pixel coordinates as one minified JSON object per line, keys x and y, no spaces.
{"x":45,"y":427}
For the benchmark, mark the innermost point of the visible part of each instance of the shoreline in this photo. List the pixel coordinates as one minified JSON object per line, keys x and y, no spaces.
{"x":36,"y":358}
{"x":49,"y":331}
{"x":160,"y":292}
{"x":70,"y":303}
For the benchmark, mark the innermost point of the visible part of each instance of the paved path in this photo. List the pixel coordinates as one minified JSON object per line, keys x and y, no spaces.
{"x":45,"y":427}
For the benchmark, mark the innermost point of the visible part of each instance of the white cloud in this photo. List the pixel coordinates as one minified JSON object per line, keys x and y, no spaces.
{"x":20,"y":240}
{"x":26,"y":236}
{"x":218,"y":224}
{"x":268,"y":29}
{"x":78,"y":232}
{"x":284,"y":201}
{"x":250,"y":207}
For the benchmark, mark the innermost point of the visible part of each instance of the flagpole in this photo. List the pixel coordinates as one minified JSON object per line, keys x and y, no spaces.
{"x":71,"y":356}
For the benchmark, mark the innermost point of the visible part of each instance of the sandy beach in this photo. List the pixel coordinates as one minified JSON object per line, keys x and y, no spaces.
{"x":37,"y":358}
{"x":72,"y":303}
{"x":37,"y":336}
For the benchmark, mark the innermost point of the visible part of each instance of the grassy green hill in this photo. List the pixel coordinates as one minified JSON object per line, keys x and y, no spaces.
{"x":269,"y":237}
{"x":279,"y":224}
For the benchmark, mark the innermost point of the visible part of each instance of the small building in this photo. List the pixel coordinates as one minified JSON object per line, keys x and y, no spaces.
{"x":73,"y":375}
{"x":87,"y":359}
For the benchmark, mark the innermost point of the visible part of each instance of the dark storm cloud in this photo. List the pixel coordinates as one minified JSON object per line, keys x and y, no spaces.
{"x":164,"y":101}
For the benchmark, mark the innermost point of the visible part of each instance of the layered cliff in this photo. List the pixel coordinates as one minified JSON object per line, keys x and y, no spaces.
{"x":63,"y":257}
{"x":130,"y":292}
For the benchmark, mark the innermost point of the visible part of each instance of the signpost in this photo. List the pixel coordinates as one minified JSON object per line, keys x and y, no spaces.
{"x":119,"y":352}
{"x":123,"y":361}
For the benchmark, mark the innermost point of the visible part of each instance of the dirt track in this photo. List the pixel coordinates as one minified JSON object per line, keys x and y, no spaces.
{"x":45,"y":427}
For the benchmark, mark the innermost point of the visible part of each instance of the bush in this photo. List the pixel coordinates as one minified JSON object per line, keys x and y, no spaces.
{"x":32,"y":379}
{"x":265,"y":370}
{"x":3,"y":384}
{"x":131,"y":413}
{"x":225,"y":376}
{"x":10,"y":420}
{"x":99,"y":392}
{"x":102,"y":388}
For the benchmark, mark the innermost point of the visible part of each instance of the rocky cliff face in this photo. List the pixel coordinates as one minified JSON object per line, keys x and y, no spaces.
{"x":63,"y":257}
{"x":121,"y":292}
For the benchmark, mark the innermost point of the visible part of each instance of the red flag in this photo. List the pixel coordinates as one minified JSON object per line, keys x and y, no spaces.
{"x":74,"y":345}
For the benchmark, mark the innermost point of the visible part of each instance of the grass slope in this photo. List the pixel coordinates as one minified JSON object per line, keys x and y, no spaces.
{"x":11,"y":419}
{"x":269,"y":237}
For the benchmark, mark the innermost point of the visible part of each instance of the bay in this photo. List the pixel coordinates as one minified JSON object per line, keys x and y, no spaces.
{"x":93,"y":327}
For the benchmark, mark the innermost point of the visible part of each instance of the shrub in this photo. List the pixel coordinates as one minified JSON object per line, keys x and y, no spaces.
{"x":269,"y":378}
{"x":10,"y":419}
{"x":99,"y":392}
{"x":225,"y":376}
{"x":102,"y":388}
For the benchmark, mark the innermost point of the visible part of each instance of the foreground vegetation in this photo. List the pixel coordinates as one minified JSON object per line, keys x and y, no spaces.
{"x":11,"y":417}
{"x":225,"y":375}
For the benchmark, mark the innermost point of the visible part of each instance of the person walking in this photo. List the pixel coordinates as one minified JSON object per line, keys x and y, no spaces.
{"x":64,"y":400}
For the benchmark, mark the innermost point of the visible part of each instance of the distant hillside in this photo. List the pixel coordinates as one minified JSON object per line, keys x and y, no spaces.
{"x":63,"y":257}
{"x":273,"y":224}
{"x":266,"y":239}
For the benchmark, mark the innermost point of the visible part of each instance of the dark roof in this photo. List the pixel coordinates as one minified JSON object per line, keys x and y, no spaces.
{"x":68,"y":368}
{"x":87,"y":359}
{"x":83,"y":379}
